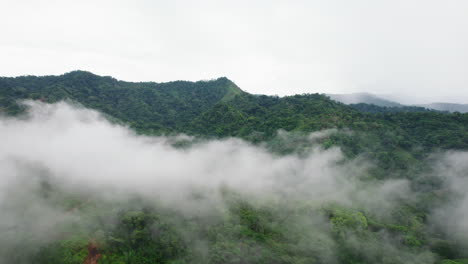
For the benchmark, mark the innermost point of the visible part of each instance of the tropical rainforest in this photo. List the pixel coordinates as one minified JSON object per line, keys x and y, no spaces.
{"x":98,"y":170}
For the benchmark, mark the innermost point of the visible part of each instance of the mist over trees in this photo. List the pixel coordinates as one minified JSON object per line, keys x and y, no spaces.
{"x":203,"y":172}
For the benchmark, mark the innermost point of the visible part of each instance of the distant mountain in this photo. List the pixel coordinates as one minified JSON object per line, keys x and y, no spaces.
{"x":370,"y":103}
{"x":363,"y":102}
{"x":449,"y":107}
{"x":372,"y":108}
{"x":365,"y":98}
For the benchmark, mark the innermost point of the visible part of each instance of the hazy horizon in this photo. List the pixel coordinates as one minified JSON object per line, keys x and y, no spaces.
{"x":416,"y":50}
{"x":390,"y":97}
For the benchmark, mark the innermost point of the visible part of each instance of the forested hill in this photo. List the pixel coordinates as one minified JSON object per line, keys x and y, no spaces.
{"x":219,"y":108}
{"x":216,"y":107}
{"x":144,"y":105}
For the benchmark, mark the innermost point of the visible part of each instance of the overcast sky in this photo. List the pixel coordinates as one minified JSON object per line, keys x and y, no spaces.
{"x":412,"y":48}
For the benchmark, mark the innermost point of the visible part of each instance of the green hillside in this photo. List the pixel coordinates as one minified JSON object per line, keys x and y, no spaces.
{"x":147,"y":106}
{"x":399,"y":144}
{"x":218,"y":108}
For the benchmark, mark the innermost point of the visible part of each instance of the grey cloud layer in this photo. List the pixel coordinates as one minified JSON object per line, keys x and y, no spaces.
{"x":413,"y":49}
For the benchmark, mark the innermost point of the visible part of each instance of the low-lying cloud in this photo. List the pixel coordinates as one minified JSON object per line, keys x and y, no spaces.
{"x":79,"y":148}
{"x":89,"y":157}
{"x":452,"y":216}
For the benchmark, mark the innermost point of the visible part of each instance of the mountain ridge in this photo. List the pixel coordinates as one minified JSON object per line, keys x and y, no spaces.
{"x":128,"y":101}
{"x":219,"y":108}
{"x":355,"y":99}
{"x":368,"y":98}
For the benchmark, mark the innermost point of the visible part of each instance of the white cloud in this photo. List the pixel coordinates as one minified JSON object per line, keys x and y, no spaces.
{"x":82,"y":155}
{"x":453,"y":215}
{"x":79,"y":150}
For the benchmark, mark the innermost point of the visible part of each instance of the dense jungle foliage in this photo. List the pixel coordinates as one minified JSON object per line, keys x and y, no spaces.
{"x":399,"y":141}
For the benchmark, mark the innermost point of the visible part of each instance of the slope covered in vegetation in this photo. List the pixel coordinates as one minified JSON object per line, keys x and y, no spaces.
{"x":220,"y":108}
{"x":276,"y":227}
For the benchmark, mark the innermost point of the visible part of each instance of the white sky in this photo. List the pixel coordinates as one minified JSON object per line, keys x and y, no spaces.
{"x":412,"y":48}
